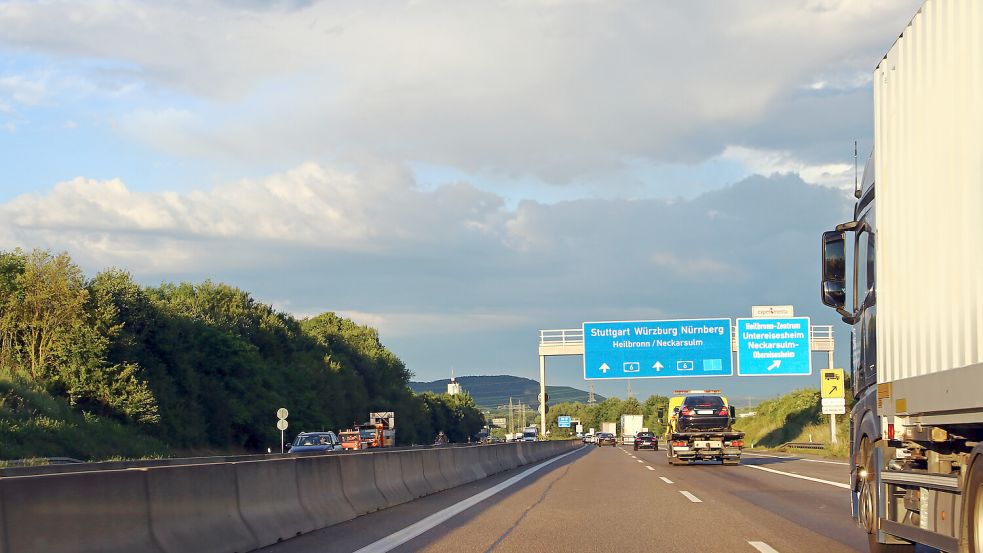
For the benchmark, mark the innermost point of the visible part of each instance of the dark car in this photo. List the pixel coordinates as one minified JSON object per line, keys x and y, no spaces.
{"x":703,"y":413}
{"x":315,"y":441}
{"x":606,"y":438}
{"x":646,"y":439}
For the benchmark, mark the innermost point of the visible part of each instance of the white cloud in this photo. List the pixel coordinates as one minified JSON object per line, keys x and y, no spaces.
{"x":22,"y":89}
{"x":559,"y":90}
{"x":770,"y":162}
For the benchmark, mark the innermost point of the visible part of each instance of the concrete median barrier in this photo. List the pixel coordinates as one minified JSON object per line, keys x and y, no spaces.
{"x":389,"y":479}
{"x":269,"y":500}
{"x":489,"y":460}
{"x":473,"y":459}
{"x":449,"y":467}
{"x":520,"y":449}
{"x":358,"y":482}
{"x":320,"y":490}
{"x":83,"y":512}
{"x":432,"y":470}
{"x":195,"y":508}
{"x":411,"y":466}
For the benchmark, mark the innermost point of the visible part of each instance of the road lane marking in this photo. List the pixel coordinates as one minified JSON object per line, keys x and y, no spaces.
{"x":691,"y":497}
{"x":762,"y":547}
{"x":640,"y":461}
{"x":666,"y":480}
{"x":796,"y":458}
{"x":811,"y":479}
{"x":649,"y":467}
{"x":396,"y":539}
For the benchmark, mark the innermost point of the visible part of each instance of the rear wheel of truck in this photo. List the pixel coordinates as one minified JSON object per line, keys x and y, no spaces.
{"x":867,"y":508}
{"x":972,"y":526}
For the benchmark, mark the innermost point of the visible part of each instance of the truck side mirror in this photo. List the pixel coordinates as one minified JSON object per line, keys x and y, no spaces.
{"x":675,"y":410}
{"x":660,"y":414}
{"x":733,"y":413}
{"x":834,"y":270}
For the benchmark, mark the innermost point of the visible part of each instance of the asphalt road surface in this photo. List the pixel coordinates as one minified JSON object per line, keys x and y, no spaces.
{"x":613,"y":499}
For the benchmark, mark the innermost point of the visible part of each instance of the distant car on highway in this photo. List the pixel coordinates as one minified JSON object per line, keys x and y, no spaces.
{"x":646,"y":440}
{"x":588,"y":438}
{"x":606,"y":438}
{"x":315,"y":441}
{"x":703,"y":412}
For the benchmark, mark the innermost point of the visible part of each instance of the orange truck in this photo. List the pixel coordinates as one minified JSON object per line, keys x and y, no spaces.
{"x":377,"y":432}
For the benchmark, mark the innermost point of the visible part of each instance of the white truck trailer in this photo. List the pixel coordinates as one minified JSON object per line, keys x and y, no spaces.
{"x":610,"y":427}
{"x":916,"y":305}
{"x":630,"y":425}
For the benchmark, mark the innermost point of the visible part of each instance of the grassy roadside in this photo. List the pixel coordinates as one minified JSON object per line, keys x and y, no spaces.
{"x":795,"y":417}
{"x":35,"y":425}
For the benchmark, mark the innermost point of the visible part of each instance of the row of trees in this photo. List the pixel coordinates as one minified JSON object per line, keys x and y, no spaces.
{"x":609,"y":410}
{"x":202,"y":365}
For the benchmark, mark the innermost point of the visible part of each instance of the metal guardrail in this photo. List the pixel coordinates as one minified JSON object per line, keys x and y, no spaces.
{"x":802,"y":445}
{"x":562,"y":337}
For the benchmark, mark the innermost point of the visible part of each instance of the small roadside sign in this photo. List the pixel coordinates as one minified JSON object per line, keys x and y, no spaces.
{"x":831,"y":383}
{"x":281,"y":424}
{"x":772,"y":311}
{"x":834,"y":406}
{"x":282,"y":413}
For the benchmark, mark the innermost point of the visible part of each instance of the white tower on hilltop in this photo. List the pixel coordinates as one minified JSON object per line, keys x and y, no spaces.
{"x":453,"y":388}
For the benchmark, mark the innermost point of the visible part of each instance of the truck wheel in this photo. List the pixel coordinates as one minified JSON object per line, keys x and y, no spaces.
{"x":867,"y":509}
{"x":972,"y":526}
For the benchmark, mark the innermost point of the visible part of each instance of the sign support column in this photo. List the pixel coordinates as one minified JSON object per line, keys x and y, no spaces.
{"x":542,"y":395}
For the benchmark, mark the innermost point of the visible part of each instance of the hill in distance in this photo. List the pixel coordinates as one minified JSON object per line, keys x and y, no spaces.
{"x":489,"y":392}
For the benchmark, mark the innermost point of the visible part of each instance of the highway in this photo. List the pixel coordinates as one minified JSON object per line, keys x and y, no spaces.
{"x":615,"y":499}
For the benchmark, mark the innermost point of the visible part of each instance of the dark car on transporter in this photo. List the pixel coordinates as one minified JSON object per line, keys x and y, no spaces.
{"x":703,"y":412}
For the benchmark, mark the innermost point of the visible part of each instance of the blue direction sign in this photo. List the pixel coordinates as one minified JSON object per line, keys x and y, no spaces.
{"x":563,"y":422}
{"x":657,"y":349}
{"x":770,"y":347}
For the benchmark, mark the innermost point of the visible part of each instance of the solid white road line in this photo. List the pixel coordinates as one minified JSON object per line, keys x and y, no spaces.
{"x":811,"y":479}
{"x":666,"y":480}
{"x":796,"y":458}
{"x":691,"y":497}
{"x":762,"y":547}
{"x":396,"y":539}
{"x":649,"y":467}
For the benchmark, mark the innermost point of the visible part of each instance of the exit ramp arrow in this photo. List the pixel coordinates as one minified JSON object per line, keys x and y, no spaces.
{"x":775,"y":364}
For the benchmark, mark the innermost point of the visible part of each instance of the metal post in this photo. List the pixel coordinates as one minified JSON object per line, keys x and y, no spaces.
{"x":281,"y":441}
{"x":542,"y":395}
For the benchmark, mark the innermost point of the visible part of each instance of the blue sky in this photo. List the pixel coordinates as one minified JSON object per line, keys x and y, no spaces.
{"x":458,"y":175}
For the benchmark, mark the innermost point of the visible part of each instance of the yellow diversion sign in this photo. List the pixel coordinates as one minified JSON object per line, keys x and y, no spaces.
{"x":831,"y":383}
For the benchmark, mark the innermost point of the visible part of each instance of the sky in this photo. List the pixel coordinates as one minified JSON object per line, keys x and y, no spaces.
{"x":458,"y":175}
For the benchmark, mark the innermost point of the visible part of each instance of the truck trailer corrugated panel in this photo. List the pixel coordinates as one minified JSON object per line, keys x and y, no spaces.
{"x":928,"y":117}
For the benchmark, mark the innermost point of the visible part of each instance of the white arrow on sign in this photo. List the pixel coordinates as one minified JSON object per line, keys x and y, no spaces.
{"x":657,"y":366}
{"x":775,"y":364}
{"x":605,"y":368}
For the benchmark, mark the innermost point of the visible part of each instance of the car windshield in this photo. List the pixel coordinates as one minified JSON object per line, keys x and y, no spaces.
{"x":704,"y":402}
{"x":312,"y":439}
{"x":367,"y":433}
{"x":645,"y":435}
{"x":529,"y":434}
